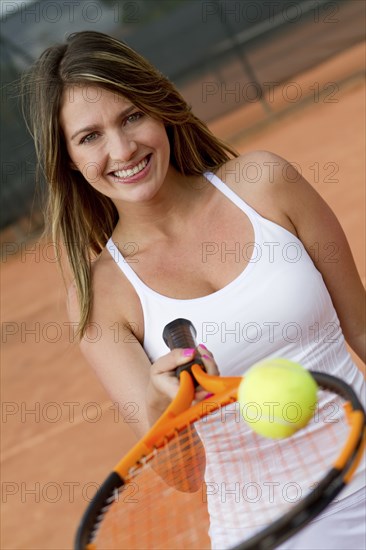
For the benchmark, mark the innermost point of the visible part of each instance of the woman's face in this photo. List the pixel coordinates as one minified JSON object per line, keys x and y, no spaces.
{"x":121,"y":152}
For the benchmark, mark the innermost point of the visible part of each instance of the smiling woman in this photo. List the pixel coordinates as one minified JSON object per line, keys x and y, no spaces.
{"x":65,"y":95}
{"x":114,"y":144}
{"x":157,"y":218}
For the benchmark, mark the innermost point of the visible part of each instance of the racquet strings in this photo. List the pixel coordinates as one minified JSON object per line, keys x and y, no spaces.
{"x":216,"y":478}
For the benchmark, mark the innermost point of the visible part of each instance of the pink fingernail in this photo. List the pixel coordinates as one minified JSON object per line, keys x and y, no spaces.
{"x":206,"y":356}
{"x":209,"y":395}
{"x":188,"y":352}
{"x":203,"y":346}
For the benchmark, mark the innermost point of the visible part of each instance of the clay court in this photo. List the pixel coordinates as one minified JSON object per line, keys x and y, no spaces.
{"x":60,"y":433}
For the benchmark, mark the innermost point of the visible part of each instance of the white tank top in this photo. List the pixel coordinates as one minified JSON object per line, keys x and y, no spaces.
{"x":278,"y":306}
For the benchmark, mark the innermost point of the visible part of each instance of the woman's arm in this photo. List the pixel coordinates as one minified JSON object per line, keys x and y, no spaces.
{"x":123,"y":367}
{"x":121,"y":363}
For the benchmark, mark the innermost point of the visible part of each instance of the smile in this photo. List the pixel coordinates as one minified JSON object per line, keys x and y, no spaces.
{"x":132,"y":171}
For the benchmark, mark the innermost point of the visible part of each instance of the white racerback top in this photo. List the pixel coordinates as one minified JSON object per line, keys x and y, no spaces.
{"x":278,"y":306}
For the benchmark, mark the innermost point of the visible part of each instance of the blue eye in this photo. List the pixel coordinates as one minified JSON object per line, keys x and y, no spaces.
{"x":134,"y":117}
{"x":88,"y":138}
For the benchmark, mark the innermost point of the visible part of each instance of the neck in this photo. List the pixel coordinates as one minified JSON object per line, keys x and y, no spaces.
{"x":177,"y":203}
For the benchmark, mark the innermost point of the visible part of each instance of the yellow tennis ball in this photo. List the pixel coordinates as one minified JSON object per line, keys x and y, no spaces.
{"x":277,"y":397}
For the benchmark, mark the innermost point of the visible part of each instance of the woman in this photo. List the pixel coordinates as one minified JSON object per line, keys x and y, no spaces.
{"x":159,"y":222}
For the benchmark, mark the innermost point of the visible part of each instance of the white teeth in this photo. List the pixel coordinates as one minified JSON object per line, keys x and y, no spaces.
{"x":131,"y":171}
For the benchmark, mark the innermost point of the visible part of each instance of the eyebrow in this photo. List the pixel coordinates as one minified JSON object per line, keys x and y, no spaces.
{"x":94,"y":127}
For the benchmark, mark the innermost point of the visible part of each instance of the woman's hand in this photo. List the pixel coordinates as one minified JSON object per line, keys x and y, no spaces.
{"x":163,"y":385}
{"x":211,"y":368}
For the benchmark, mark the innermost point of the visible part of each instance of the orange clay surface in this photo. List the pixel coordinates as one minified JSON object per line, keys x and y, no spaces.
{"x":60,"y":433}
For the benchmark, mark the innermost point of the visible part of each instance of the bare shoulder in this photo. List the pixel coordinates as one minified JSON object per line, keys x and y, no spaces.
{"x":265,"y":181}
{"x":102,"y":286}
{"x":276,"y":190}
{"x":274,"y":187}
{"x":259,"y":172}
{"x":112,"y":341}
{"x":114,"y":300}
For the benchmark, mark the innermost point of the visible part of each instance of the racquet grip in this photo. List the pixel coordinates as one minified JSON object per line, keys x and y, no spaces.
{"x":180,"y":333}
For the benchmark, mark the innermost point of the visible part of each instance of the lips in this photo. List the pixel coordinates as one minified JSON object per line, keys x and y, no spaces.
{"x":132,"y":170}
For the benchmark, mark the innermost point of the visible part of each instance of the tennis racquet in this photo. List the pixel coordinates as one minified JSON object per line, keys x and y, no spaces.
{"x":200,"y":478}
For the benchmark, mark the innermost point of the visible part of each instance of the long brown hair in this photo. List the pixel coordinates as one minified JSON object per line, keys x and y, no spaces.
{"x":79,"y":217}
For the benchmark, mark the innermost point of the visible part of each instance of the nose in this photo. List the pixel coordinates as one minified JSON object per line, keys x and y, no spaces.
{"x":121,"y":147}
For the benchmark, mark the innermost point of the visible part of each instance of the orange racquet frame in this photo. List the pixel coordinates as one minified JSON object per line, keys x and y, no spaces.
{"x":180,"y":414}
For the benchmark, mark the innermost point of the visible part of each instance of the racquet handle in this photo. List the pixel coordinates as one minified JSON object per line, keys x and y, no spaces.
{"x":180,"y":333}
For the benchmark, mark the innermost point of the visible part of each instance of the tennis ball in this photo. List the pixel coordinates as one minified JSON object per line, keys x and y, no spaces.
{"x":277,"y":397}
